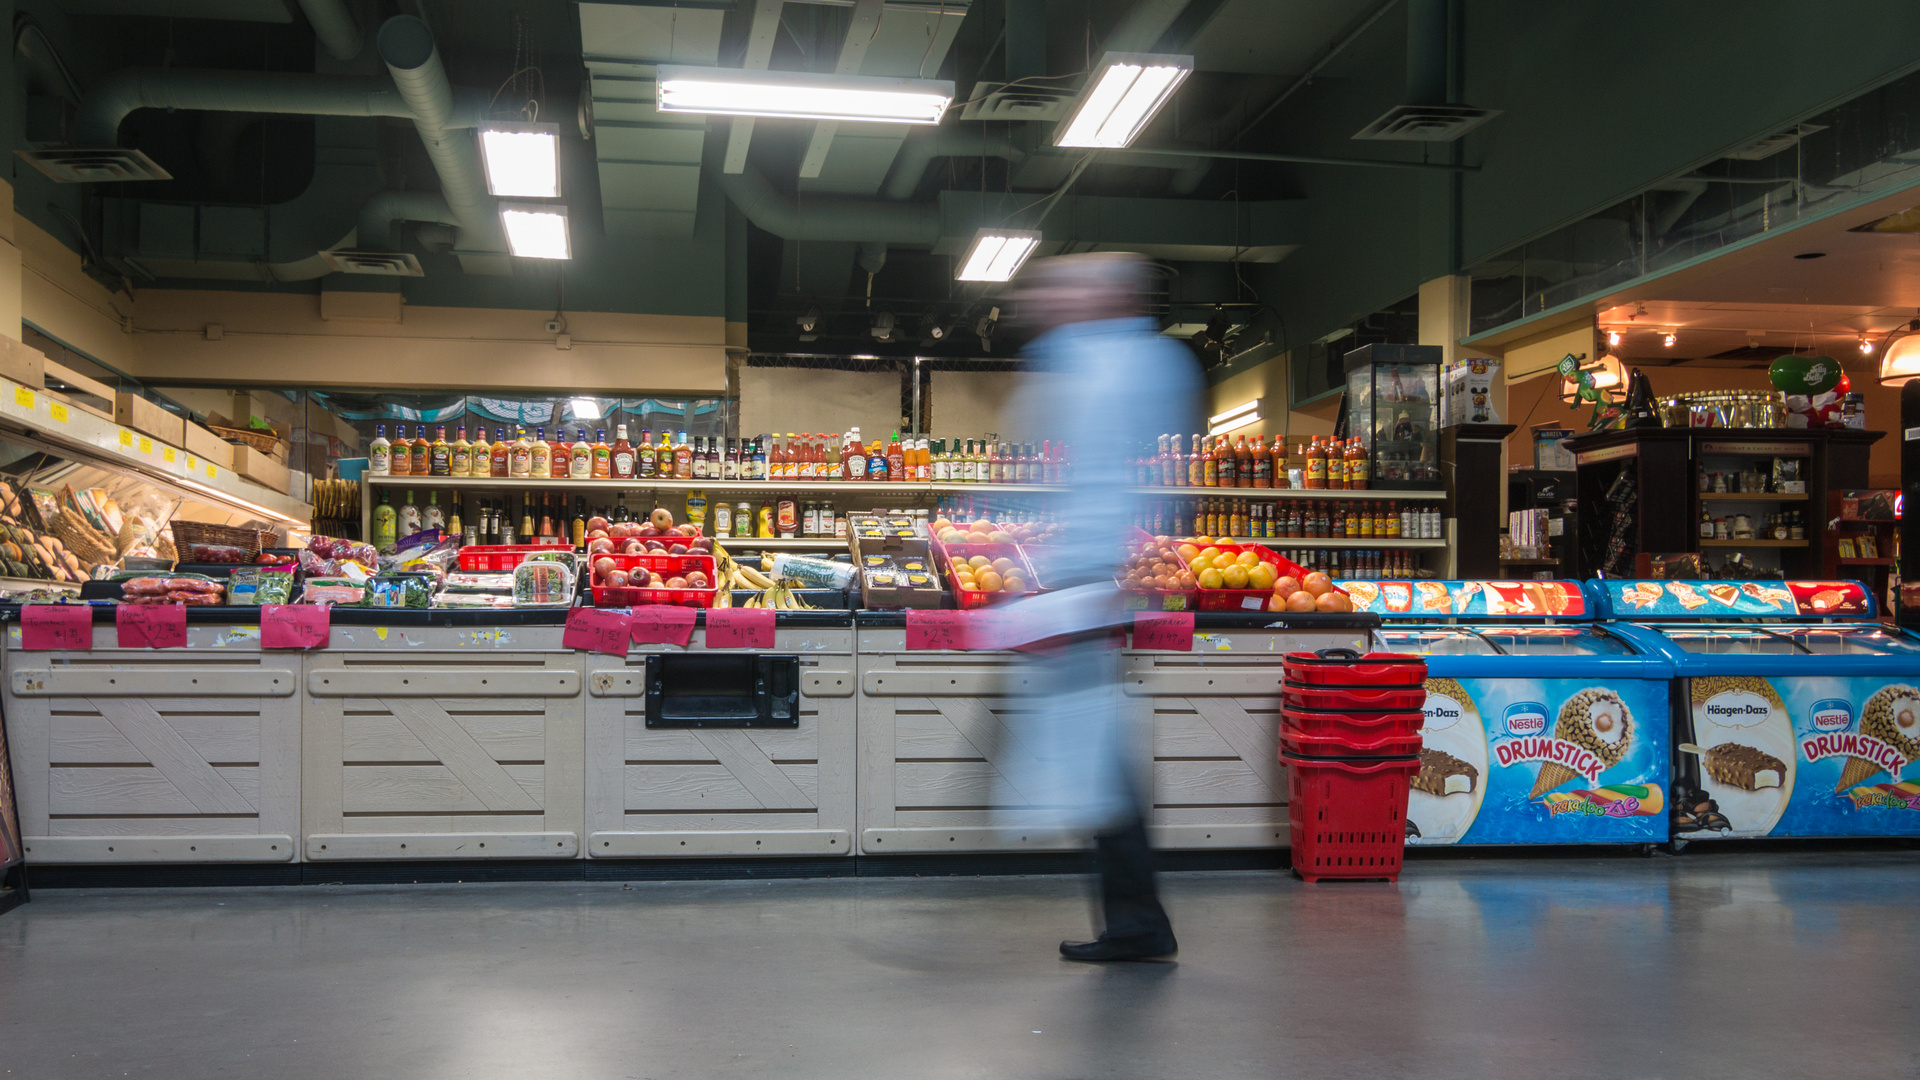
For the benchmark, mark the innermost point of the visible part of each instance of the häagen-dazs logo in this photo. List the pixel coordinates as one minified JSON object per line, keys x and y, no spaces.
{"x":1737,"y":708}
{"x":1441,"y":712}
{"x":1831,"y":714}
{"x":1525,"y":718}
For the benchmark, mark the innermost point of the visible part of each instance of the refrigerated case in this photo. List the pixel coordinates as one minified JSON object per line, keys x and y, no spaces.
{"x":1541,"y":726}
{"x":1796,"y":712}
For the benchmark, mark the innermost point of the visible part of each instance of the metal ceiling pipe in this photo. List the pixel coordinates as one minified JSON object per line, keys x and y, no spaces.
{"x":384,"y":209}
{"x":333,"y":24}
{"x":293,"y":93}
{"x":406,"y":45}
{"x":1426,"y":52}
{"x":918,"y":152}
{"x":42,"y":64}
{"x":822,"y":219}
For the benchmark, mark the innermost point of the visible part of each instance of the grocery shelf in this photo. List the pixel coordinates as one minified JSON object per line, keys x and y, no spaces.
{"x":810,"y":543}
{"x":1753,"y":543}
{"x":1285,"y":493}
{"x":1338,"y":542}
{"x":1751,"y":496}
{"x":771,"y":487}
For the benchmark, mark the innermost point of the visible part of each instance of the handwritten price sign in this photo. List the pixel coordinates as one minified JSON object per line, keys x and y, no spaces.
{"x":56,"y":626}
{"x":662,"y":624}
{"x":596,"y":631}
{"x":1171,"y":631}
{"x":937,"y":629}
{"x":740,"y":628}
{"x":151,"y":626}
{"x":295,"y":626}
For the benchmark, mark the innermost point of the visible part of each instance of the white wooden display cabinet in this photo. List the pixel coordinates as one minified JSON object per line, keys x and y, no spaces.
{"x":674,"y":790}
{"x":938,"y":733}
{"x":1215,"y":717}
{"x":156,"y":756}
{"x":443,"y":743}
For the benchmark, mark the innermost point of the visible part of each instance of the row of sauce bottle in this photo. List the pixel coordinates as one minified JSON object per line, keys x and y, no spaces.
{"x":1244,"y":519}
{"x":1196,"y":461}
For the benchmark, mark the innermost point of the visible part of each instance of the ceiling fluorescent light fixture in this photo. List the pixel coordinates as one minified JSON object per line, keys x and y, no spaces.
{"x":1235,"y":418}
{"x":997,"y":254}
{"x":801,"y":95}
{"x":585,"y":408}
{"x":522,"y":160}
{"x":536,"y":230}
{"x":1122,"y":94}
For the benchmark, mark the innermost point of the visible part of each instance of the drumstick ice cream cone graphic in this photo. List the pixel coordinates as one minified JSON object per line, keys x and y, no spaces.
{"x":1596,"y":720}
{"x":1893,"y":717}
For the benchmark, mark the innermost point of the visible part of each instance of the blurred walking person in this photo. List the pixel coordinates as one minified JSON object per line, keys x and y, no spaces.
{"x":1110,"y":383}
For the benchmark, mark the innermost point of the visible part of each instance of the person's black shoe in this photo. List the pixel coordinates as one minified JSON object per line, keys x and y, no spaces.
{"x":1130,"y":947}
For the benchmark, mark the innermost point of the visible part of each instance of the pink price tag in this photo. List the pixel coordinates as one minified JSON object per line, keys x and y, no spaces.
{"x":151,"y":626}
{"x":662,"y":624}
{"x":740,"y":628}
{"x":596,"y":631}
{"x":1168,"y":630}
{"x":56,"y":626}
{"x":295,"y":626}
{"x":937,"y":629}
{"x":994,"y":629}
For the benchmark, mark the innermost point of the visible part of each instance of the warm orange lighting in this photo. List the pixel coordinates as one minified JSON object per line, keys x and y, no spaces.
{"x":1900,"y":361}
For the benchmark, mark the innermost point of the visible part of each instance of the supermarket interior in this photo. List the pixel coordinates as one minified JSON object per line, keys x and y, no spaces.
{"x":562,"y":519}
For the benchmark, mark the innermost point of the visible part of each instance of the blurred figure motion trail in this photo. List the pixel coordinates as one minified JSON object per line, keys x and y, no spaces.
{"x":1108,"y":382}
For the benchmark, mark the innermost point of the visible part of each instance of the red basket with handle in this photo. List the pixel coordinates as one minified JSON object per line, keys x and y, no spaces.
{"x":1360,"y":699}
{"x":662,"y":567}
{"x":1348,"y":816}
{"x":1383,"y":743}
{"x":1357,"y":727}
{"x":1350,"y":667}
{"x":497,"y":558}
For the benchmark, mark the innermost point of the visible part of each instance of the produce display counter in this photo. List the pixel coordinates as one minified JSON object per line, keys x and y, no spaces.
{"x":938,"y":729}
{"x":421,"y":735}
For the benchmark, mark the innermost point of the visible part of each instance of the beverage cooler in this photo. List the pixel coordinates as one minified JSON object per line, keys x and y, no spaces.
{"x":1796,"y":712}
{"x":1541,"y":727}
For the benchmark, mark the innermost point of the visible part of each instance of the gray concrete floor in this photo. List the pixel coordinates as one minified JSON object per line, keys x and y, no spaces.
{"x":1782,"y":965}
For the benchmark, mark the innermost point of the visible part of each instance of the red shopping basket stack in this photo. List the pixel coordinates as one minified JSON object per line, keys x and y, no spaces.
{"x":1350,"y":738}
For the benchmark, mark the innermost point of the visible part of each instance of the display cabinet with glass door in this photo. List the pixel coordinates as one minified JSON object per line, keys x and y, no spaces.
{"x":1393,"y":407}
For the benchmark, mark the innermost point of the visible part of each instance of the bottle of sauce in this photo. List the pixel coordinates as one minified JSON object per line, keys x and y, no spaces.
{"x":602,"y":455}
{"x":853,"y":462}
{"x":580,"y":456}
{"x":1196,"y":464}
{"x":385,"y":523}
{"x":877,"y":461}
{"x":1259,"y":464}
{"x":520,"y":460}
{"x":379,"y":453}
{"x":1226,"y":465}
{"x":1209,"y":467}
{"x":700,"y":457}
{"x":787,"y":518}
{"x":400,"y":462}
{"x":1358,"y":469}
{"x":422,"y":450}
{"x":896,"y":461}
{"x":646,"y":459}
{"x":502,"y":453}
{"x":1316,"y":465}
{"x":440,"y":453}
{"x":764,"y":521}
{"x":1243,"y":463}
{"x":460,"y":459}
{"x":562,"y":462}
{"x":542,"y":454}
{"x":714,"y":456}
{"x":683,"y":458}
{"x":620,"y":464}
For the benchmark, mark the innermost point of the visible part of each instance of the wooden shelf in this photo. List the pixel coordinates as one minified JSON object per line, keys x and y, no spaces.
{"x":1864,"y":562}
{"x":1529,"y":562}
{"x":1750,"y":496}
{"x":1360,"y":494}
{"x":1753,"y":543}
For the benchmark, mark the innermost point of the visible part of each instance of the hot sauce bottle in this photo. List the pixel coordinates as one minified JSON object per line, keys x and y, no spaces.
{"x":1316,"y":464}
{"x":1261,"y":464}
{"x":1196,"y":464}
{"x":1243,"y":463}
{"x":1358,"y":468}
{"x":896,"y":460}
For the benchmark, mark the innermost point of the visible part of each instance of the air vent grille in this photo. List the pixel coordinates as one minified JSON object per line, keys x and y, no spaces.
{"x":378,"y":263}
{"x":997,"y":101}
{"x":1426,"y":123}
{"x":106,"y":165}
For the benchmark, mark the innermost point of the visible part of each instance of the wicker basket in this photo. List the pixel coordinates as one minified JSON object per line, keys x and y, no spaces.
{"x":188,"y":533}
{"x":262,"y":441}
{"x":82,"y":539}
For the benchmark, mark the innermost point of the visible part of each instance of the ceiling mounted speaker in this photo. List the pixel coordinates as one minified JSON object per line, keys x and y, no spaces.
{"x":377,"y":263}
{"x":1426,"y":123}
{"x":105,"y":165}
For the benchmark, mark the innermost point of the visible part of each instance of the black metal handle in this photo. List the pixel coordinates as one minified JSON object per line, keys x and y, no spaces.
{"x":1341,"y":653}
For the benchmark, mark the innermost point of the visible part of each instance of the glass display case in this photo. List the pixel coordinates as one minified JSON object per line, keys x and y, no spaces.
{"x":1393,"y":407}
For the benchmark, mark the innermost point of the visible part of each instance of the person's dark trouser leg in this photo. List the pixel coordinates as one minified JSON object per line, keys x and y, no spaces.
{"x":1129,"y":897}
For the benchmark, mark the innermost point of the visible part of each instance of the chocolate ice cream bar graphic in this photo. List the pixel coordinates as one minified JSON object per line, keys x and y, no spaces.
{"x":1443,"y":774}
{"x":1737,"y":765}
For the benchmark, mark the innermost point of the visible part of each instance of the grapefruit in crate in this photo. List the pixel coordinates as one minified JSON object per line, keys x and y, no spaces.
{"x":981,"y":574}
{"x":1254,"y":577}
{"x":1153,"y":576}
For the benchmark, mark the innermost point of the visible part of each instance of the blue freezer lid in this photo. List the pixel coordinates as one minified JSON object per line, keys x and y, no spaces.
{"x":1644,"y":600}
{"x":1527,"y":651}
{"x":1426,"y":601}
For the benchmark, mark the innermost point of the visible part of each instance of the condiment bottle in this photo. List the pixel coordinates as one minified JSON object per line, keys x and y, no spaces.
{"x":541,"y":454}
{"x":1358,"y":468}
{"x":385,"y":523}
{"x":683,"y":458}
{"x":621,"y":461}
{"x":765,"y":521}
{"x":562,"y":461}
{"x":520,"y":459}
{"x":853,"y":463}
{"x":602,"y":455}
{"x":502,"y":453}
{"x":460,"y":460}
{"x":422,"y":451}
{"x":646,"y":459}
{"x":580,"y":465}
{"x":379,"y":460}
{"x":439,"y":453}
{"x":1316,"y":465}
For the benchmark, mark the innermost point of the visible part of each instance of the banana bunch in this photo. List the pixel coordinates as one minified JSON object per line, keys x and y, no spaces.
{"x":780,"y":598}
{"x":336,"y":498}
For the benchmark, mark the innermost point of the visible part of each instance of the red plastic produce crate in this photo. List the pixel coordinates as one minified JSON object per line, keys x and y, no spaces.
{"x":1349,"y":818}
{"x":1363,"y":699}
{"x":1135,"y":599}
{"x":1348,"y":667}
{"x":1359,"y":726}
{"x":498,"y":558}
{"x":662,"y":567}
{"x":1253,"y":599}
{"x":944,"y":554}
{"x":1383,"y":743}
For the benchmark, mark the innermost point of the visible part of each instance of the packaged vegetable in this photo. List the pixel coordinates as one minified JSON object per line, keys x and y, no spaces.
{"x":217,"y":553}
{"x":542,"y":584}
{"x":276,"y":585}
{"x":814,"y":573}
{"x":332,"y":591}
{"x":399,"y":591}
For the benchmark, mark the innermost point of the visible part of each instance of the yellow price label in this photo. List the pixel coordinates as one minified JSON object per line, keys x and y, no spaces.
{"x":23,"y":397}
{"x":146,"y":445}
{"x":126,"y":439}
{"x":58,"y":410}
{"x":166,"y":454}
{"x":210,"y":472}
{"x":192,"y":465}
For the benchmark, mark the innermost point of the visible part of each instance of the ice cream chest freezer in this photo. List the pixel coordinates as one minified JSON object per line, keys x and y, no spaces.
{"x":1541,"y":726}
{"x":1796,"y":711}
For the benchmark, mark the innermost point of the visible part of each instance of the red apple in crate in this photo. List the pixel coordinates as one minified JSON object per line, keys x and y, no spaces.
{"x":600,"y":545}
{"x":701,"y":546}
{"x":646,"y":530}
{"x":620,"y":530}
{"x":604,"y":565}
{"x":656,"y":547}
{"x":660,"y":519}
{"x":616,"y":579}
{"x":632,"y":545}
{"x":640,"y":577}
{"x":597,"y":522}
{"x":697,"y":579}
{"x":597,"y":534}
{"x":677,"y":549}
{"x":676,"y":583}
